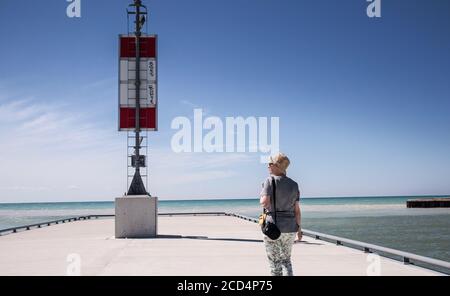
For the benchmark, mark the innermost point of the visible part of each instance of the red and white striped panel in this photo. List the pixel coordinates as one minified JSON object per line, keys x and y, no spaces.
{"x":128,"y":47}
{"x":148,"y":119}
{"x":148,"y":85}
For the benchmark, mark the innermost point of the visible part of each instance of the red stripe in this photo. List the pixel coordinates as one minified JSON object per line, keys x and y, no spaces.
{"x":128,"y":118}
{"x":128,"y":47}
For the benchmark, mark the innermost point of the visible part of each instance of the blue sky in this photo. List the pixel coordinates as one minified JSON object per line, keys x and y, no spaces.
{"x":363,"y":103}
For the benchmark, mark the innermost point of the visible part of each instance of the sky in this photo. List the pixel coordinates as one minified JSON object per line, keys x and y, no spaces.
{"x":363,"y":103}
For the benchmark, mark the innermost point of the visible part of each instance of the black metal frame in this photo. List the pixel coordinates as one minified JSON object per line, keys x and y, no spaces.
{"x":137,"y":186}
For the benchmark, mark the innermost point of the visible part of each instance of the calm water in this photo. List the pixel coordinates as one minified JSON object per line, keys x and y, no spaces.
{"x":380,"y":220}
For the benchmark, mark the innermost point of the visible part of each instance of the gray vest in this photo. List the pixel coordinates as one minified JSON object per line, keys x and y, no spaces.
{"x":287,"y":194}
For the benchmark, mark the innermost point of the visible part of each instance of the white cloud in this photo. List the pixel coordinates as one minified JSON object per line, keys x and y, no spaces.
{"x":100,"y":83}
{"x":172,"y":169}
{"x":205,"y":111}
{"x":46,"y":148}
{"x":26,"y":123}
{"x":19,"y":110}
{"x":55,"y":153}
{"x":26,"y":188}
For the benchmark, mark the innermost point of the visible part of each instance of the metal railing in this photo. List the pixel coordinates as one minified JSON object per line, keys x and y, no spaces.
{"x":194,"y":214}
{"x":49,"y":223}
{"x":89,"y":217}
{"x":407,"y":258}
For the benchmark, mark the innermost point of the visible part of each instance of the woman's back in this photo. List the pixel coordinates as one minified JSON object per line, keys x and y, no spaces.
{"x":287,"y":194}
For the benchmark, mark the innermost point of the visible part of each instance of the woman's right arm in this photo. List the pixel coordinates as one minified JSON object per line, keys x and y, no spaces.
{"x":265,"y":194}
{"x":298,"y":219}
{"x":265,"y":201}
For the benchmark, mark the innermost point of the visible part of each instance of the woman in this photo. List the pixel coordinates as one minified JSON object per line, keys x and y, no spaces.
{"x":288,"y":216}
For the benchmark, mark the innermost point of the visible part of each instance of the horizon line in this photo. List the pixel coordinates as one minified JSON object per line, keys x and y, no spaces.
{"x":224,"y":199}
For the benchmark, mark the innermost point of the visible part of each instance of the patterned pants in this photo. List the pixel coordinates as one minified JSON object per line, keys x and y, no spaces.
{"x":279,"y":254}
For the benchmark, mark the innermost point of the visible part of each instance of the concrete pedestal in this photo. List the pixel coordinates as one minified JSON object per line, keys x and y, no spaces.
{"x":136,"y":217}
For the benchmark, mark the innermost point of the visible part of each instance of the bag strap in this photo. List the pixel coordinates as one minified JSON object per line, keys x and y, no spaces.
{"x":274,"y":189}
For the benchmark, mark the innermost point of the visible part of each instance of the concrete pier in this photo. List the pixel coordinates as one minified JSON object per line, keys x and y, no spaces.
{"x":429,"y":203}
{"x":186,"y":245}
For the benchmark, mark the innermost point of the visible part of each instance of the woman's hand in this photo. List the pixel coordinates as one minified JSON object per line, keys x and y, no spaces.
{"x":299,"y":235}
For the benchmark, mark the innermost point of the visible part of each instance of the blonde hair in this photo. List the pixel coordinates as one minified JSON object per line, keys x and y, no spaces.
{"x":281,"y":161}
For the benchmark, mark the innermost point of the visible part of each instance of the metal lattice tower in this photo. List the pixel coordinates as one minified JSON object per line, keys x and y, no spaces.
{"x":137,"y":159}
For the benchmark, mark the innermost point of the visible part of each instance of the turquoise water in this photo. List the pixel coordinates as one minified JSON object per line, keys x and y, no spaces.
{"x":379,"y":220}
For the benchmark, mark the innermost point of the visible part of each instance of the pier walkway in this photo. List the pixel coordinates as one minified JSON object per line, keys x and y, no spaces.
{"x":187,"y":245}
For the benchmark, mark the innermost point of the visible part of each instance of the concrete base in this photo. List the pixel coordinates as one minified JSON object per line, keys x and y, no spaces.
{"x":136,"y":217}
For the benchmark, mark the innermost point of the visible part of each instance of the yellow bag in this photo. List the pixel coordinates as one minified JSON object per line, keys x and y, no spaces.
{"x":262,"y":219}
